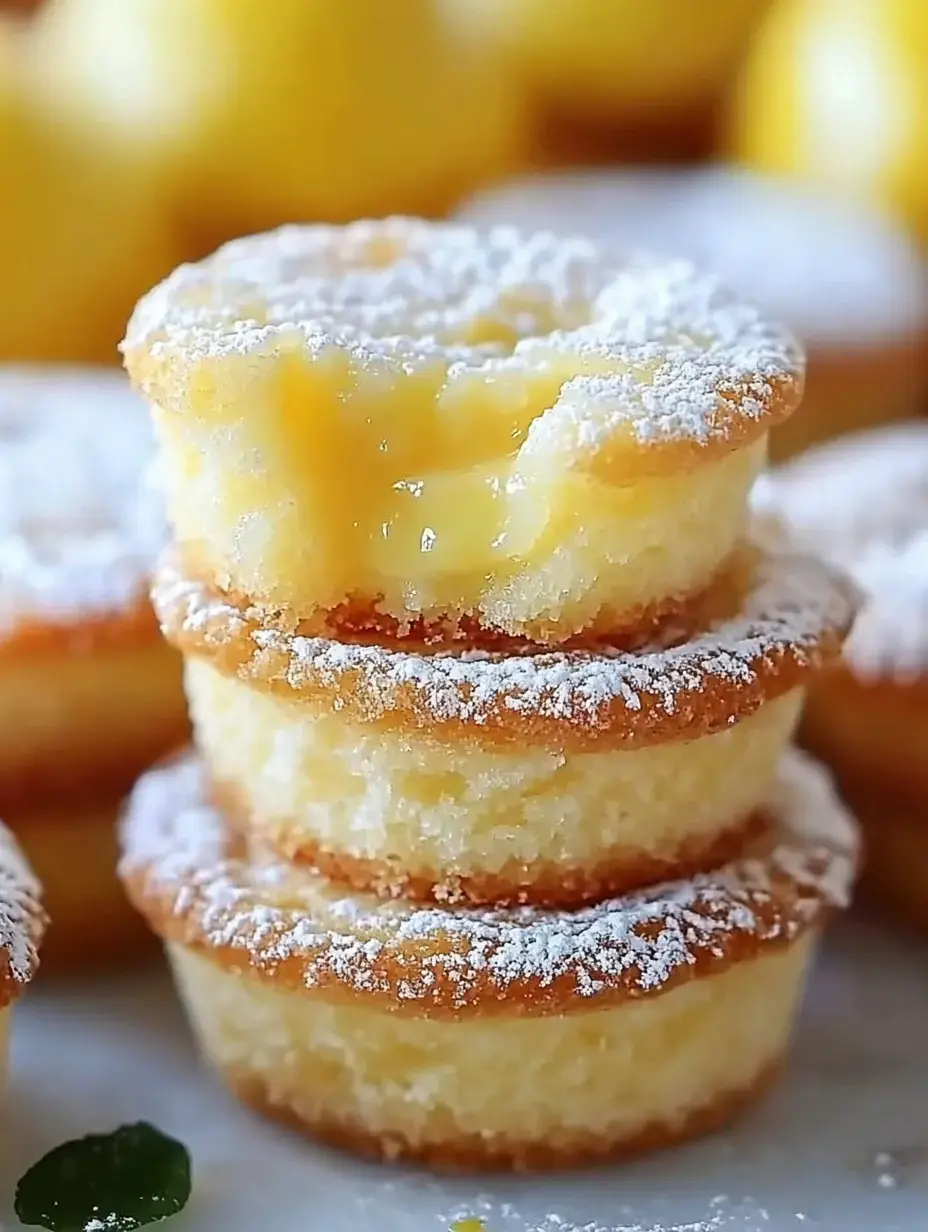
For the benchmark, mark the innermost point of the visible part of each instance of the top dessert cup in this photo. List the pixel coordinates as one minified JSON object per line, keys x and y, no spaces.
{"x":408,"y":427}
{"x":846,"y":279}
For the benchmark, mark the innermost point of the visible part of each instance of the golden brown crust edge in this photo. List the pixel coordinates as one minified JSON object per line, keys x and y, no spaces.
{"x":80,"y":637}
{"x":542,"y":884}
{"x":475,"y":1153}
{"x":384,"y":686}
{"x":359,"y":619}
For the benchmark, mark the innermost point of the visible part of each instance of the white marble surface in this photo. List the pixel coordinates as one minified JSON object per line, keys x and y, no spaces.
{"x":86,"y":1058}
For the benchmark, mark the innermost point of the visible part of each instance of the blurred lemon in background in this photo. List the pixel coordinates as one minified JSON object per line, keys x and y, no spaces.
{"x":620,"y":60}
{"x":257,"y":112}
{"x":80,"y":234}
{"x":837,"y":90}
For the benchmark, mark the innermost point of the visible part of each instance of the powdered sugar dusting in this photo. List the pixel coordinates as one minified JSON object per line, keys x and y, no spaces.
{"x":78,"y":527}
{"x":21,"y":916}
{"x":835,"y":271}
{"x":179,"y":845}
{"x":862,"y":502}
{"x":649,"y":346}
{"x":793,"y":604}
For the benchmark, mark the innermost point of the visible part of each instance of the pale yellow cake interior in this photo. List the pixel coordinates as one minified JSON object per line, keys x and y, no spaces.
{"x":430,"y":496}
{"x":562,"y":1080}
{"x":459,"y":809}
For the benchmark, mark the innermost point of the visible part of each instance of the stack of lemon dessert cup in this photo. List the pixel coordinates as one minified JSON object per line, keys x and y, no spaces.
{"x":491,"y":852}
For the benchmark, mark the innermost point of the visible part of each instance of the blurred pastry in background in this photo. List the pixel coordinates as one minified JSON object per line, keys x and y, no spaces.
{"x":80,"y":231}
{"x":24,"y":923}
{"x":845,"y":279}
{"x":863,"y":503}
{"x":257,"y":114}
{"x":837,"y":91}
{"x":89,"y":692}
{"x":647,"y":77}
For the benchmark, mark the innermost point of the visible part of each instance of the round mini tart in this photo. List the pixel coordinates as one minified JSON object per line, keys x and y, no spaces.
{"x":848,"y":281}
{"x":549,"y":777}
{"x":488,"y":1037}
{"x":89,"y":694}
{"x":22,"y":924}
{"x":863,"y":503}
{"x":403,"y":426}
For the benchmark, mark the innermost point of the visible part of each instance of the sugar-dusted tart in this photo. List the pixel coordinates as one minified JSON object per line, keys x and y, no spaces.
{"x":89,"y":693}
{"x":423,"y":428}
{"x":863,"y":503}
{"x":514,"y":1038}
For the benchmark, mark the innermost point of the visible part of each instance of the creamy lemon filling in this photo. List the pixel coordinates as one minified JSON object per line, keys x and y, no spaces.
{"x":595,"y":1075}
{"x":454,"y":809}
{"x":305,"y":525}
{"x":442,"y":422}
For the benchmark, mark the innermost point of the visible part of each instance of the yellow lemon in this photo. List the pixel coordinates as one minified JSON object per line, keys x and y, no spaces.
{"x":609,"y":58}
{"x":259,"y":113}
{"x":79,"y":237}
{"x":837,"y":90}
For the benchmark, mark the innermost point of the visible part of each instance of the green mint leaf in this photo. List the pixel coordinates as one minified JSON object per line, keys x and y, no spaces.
{"x":106,"y":1182}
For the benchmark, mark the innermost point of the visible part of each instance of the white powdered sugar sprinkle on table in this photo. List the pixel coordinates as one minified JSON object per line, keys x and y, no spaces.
{"x":178,"y":844}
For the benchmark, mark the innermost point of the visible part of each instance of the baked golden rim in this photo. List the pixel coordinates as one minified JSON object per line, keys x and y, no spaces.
{"x":537,"y":884}
{"x":280,"y":297}
{"x":476,"y":1153}
{"x":358,"y":620}
{"x":248,"y":911}
{"x":22,"y":919}
{"x":775,"y":620}
{"x":34,"y":635}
